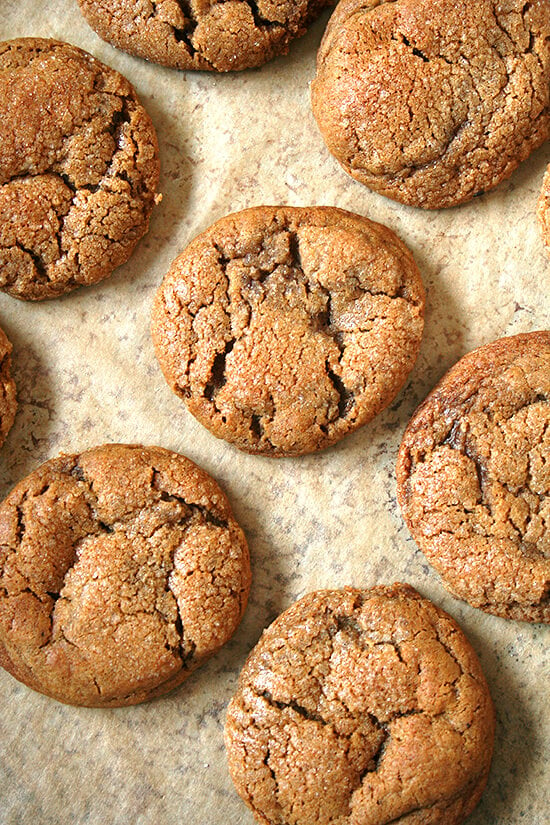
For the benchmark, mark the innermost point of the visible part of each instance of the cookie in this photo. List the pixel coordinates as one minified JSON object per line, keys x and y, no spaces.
{"x":78,"y":168}
{"x":361,"y":706}
{"x":543,"y":211}
{"x":432,"y":102}
{"x":222,"y":35}
{"x":285,"y":328}
{"x":8,"y":402}
{"x":122,"y":569}
{"x":473,"y":477}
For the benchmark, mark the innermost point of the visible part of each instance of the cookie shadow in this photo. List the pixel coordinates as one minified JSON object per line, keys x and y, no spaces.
{"x":28,"y":443}
{"x":518,"y":743}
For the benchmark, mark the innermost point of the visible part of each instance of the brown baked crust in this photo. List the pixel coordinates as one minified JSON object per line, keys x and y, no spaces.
{"x":122,"y":569}
{"x":285,"y":328}
{"x":432,"y":102}
{"x":222,"y":35}
{"x":543,"y":209}
{"x":8,"y":402}
{"x":78,"y":168}
{"x":361,"y":706}
{"x":473,"y":477}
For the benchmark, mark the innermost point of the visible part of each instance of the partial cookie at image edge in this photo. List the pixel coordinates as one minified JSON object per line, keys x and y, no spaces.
{"x":361,"y":706}
{"x":473,"y":480}
{"x":8,"y":399}
{"x":79,"y":168}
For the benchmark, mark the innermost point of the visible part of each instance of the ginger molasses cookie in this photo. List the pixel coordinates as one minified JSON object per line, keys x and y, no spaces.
{"x":473,"y":477}
{"x":361,"y":707}
{"x":221,"y":35}
{"x":543,"y":211}
{"x":122,"y":569}
{"x":8,"y":402}
{"x":431,"y":102}
{"x":78,"y":168}
{"x":285,"y":328}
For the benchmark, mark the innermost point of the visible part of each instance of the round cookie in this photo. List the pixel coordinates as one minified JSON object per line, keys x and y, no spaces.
{"x":473,"y":477}
{"x":361,"y":706}
{"x":78,"y":168}
{"x":432,"y":102}
{"x":121,"y":570}
{"x":285,"y":328}
{"x":8,"y":402}
{"x":222,"y":35}
{"x":543,"y":211}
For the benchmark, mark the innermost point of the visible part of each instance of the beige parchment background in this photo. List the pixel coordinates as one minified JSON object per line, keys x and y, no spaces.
{"x":86,"y":374}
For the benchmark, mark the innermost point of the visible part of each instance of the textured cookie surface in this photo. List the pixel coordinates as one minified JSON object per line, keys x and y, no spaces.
{"x":122,"y":570}
{"x":219,"y":35}
{"x":432,"y":102}
{"x":78,"y":168}
{"x":361,"y":707}
{"x":8,"y":403}
{"x":473,"y":477}
{"x":543,"y":211}
{"x":285,"y":328}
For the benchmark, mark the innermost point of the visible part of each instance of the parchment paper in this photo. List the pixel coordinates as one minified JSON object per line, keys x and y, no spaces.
{"x":86,"y":374}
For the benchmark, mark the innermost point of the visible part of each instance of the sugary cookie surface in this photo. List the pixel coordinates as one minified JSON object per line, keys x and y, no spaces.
{"x":285,"y":328}
{"x":474,"y":477}
{"x":121,"y":570}
{"x":361,"y":706}
{"x":213,"y":36}
{"x":78,"y":168}
{"x":432,"y":102}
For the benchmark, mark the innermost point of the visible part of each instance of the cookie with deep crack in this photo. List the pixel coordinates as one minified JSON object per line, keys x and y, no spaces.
{"x":8,"y":401}
{"x":543,"y":210}
{"x":222,"y":35}
{"x":361,"y":706}
{"x":78,"y":168}
{"x":473,"y":477}
{"x":121,"y":570}
{"x":432,"y":102}
{"x":285,"y":328}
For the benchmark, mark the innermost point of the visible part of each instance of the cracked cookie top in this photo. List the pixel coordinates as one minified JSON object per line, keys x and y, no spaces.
{"x":216,"y":35}
{"x":121,"y":570}
{"x":473,"y":477}
{"x":285,"y":328}
{"x":543,"y":211}
{"x":8,"y":402}
{"x":361,"y":706}
{"x":432,"y":102}
{"x":78,"y":168}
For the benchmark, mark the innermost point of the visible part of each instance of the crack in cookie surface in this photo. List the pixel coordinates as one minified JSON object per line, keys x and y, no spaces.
{"x":432,"y":102}
{"x":122,"y":569}
{"x":78,"y":168}
{"x":474,"y":477}
{"x":361,"y":706}
{"x":285,"y":328}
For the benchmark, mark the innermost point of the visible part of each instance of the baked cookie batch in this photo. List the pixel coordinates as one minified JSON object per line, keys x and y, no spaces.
{"x":283,"y":329}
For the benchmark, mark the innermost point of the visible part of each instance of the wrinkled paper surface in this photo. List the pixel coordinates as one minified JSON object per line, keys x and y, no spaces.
{"x":86,"y":374}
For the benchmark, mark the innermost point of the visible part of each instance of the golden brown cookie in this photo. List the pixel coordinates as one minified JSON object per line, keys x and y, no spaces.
{"x":8,"y":402}
{"x":543,"y":211}
{"x":473,"y":477}
{"x":432,"y":102}
{"x":78,"y":168}
{"x":121,"y":570}
{"x":361,"y":707}
{"x":285,"y":328}
{"x":221,"y":35}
